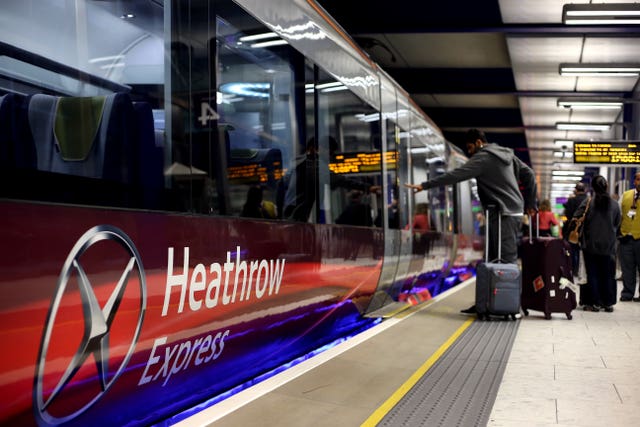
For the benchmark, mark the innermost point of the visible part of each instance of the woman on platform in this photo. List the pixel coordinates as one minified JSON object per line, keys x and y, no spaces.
{"x":598,"y":243}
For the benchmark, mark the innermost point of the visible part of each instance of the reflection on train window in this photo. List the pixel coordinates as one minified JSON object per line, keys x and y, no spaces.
{"x":83,"y":125}
{"x":200,"y":114}
{"x":349,"y":132}
{"x":255,"y":105}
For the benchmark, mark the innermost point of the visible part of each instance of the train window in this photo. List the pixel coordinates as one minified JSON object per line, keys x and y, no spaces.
{"x":297,"y":190}
{"x":394,"y":210}
{"x":82,"y":108}
{"x":349,"y":153}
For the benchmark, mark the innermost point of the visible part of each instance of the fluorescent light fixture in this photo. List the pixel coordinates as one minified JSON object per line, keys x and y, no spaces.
{"x":420,"y":150}
{"x":566,"y":179}
{"x":563,"y":142}
{"x":334,"y":89}
{"x":563,"y":154}
{"x":591,"y":103}
{"x":601,"y":14}
{"x":583,"y":126}
{"x":565,"y":185}
{"x":269,"y":43}
{"x":328,"y":85}
{"x":578,"y":173}
{"x":261,"y":36}
{"x":256,"y":90}
{"x":600,"y":70}
{"x":106,"y":59}
{"x":368,"y":118}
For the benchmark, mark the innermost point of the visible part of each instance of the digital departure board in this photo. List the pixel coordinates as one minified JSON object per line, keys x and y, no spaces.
{"x":612,"y":152}
{"x":361,"y":162}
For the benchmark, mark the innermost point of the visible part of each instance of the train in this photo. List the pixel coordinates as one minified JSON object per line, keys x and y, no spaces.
{"x":195,"y":195}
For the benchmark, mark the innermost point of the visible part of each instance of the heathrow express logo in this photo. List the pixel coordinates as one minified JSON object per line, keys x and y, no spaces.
{"x":74,"y":371}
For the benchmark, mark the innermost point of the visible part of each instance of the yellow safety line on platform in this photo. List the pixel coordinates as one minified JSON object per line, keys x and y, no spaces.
{"x":379,"y":414}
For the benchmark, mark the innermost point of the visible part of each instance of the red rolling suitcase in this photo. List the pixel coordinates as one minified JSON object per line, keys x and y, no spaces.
{"x":545,"y":260}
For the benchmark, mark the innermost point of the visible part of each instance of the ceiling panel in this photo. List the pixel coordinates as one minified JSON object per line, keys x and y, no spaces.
{"x":474,"y":101}
{"x":610,"y":49}
{"x":542,"y":111}
{"x":594,"y":116}
{"x":459,"y":50}
{"x":536,"y":62}
{"x":609,"y":84}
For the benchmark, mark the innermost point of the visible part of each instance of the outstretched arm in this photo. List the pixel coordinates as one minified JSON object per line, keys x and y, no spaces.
{"x":415,"y":187}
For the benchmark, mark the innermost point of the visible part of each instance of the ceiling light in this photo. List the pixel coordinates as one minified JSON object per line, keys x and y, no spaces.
{"x":591,"y":103}
{"x":564,"y":179}
{"x":568,"y":174}
{"x":562,"y":154}
{"x":601,"y":14}
{"x":269,"y":43}
{"x":261,"y":36}
{"x":583,"y":126}
{"x":600,"y":70}
{"x":563,"y":142}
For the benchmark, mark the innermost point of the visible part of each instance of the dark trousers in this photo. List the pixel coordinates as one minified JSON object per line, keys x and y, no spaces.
{"x":510,"y":228}
{"x":575,"y":259}
{"x":601,"y":278}
{"x":629,"y":264}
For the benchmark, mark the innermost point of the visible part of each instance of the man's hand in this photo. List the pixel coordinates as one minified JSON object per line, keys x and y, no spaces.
{"x":415,"y":187}
{"x":375,"y":189}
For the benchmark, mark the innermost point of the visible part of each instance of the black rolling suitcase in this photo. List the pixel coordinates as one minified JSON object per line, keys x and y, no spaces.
{"x":497,"y":284}
{"x":545,"y":261}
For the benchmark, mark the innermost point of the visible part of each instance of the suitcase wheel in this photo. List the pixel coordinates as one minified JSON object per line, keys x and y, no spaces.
{"x":547,"y":316}
{"x":526,"y":312}
{"x":569,"y":316}
{"x":513,"y":317}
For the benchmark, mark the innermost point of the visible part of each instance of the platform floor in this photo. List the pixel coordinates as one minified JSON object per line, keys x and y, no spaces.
{"x":580,"y":372}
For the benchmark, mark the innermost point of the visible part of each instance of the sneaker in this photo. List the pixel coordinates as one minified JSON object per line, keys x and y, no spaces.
{"x":591,"y":308}
{"x":623,"y":299}
{"x":608,"y":309}
{"x":470,"y":310}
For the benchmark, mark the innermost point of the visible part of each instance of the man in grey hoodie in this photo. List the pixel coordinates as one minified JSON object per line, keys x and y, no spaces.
{"x":497,"y":171}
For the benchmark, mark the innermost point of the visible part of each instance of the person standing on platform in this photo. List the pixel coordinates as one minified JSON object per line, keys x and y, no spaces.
{"x":569,"y":209}
{"x":598,"y":241}
{"x":497,"y":170}
{"x":630,"y":241}
{"x":546,"y":219}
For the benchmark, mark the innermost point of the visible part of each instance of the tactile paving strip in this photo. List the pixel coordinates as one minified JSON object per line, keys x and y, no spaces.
{"x":460,"y":388}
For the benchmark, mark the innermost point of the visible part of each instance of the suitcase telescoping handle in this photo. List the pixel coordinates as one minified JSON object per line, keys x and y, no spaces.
{"x":486,"y":235}
{"x":537,"y":227}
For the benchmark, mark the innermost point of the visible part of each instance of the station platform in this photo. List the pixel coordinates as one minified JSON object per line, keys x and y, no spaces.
{"x":431,"y":365}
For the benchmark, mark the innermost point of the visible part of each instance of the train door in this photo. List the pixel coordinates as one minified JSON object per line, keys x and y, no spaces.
{"x":392,"y":216}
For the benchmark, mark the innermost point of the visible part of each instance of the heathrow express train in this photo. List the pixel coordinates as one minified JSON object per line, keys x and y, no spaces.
{"x":196,"y":194}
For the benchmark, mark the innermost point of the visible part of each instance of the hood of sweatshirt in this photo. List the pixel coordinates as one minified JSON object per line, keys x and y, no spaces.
{"x":503,"y":154}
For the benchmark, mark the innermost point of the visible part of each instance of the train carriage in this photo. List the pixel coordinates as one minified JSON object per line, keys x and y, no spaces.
{"x":175,"y":182}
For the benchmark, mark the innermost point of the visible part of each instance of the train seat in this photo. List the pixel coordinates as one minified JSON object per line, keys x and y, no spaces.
{"x":91,"y":137}
{"x":14,"y":152}
{"x":150,"y":155}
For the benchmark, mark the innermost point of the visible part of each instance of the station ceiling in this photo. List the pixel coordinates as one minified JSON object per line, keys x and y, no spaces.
{"x":494,"y":65}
